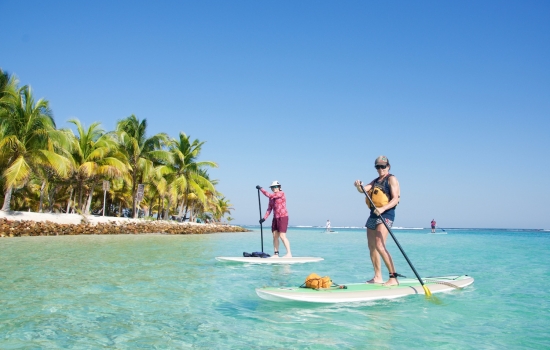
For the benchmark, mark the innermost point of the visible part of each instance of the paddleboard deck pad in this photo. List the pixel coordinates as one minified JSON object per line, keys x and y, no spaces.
{"x":356,"y":292}
{"x":257,"y":260}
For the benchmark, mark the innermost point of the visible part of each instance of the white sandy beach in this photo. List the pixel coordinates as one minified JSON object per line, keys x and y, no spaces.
{"x":62,"y":218}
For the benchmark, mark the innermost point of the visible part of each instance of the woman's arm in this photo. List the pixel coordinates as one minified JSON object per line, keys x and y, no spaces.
{"x":357,"y":185}
{"x":274,"y":195}
{"x":395,"y":195}
{"x":269,"y":208}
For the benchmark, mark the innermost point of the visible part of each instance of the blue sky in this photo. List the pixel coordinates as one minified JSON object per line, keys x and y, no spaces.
{"x":456,"y":94}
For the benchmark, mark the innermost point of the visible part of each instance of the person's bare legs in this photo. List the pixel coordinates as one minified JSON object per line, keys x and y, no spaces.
{"x":374,"y":257}
{"x":282,"y":235}
{"x":381,"y":236}
{"x":276,"y":243}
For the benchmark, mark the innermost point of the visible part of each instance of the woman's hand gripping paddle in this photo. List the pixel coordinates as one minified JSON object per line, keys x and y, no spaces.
{"x":426,"y":290}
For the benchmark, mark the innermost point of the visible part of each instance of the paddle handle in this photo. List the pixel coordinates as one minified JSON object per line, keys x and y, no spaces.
{"x":426,"y":290}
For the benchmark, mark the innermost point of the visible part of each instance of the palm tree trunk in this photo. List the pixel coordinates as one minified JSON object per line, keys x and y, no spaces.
{"x":80,"y":196}
{"x":134,"y":193}
{"x":158,"y":210}
{"x":41,"y":196}
{"x":69,"y":201}
{"x":89,"y":203}
{"x":167,"y":211}
{"x":7,"y":199}
{"x":180,"y":211}
{"x":51,"y":198}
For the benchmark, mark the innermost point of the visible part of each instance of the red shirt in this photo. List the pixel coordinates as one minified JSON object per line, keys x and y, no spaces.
{"x":277,"y":203}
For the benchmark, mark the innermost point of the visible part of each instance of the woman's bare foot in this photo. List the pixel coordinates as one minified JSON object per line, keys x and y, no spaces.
{"x":391,"y":282}
{"x":287,"y":256}
{"x":375,"y":281}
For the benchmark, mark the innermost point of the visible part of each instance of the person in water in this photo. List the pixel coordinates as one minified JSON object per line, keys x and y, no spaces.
{"x":279,"y":225}
{"x":384,"y":192}
{"x":433,"y":223}
{"x":327,"y":227}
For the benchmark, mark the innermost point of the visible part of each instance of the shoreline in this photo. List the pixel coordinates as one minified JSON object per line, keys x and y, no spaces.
{"x":21,"y":224}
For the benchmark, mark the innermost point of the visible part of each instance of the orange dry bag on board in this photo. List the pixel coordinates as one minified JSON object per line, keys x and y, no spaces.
{"x":315,"y":281}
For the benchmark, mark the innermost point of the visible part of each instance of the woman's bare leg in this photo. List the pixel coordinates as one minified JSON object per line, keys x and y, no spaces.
{"x":288,"y":254}
{"x":374,"y":257}
{"x":381,"y":236}
{"x":276,"y":243}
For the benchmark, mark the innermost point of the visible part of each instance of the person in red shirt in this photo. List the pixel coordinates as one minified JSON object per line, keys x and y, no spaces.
{"x":279,"y":225}
{"x":433,"y":225}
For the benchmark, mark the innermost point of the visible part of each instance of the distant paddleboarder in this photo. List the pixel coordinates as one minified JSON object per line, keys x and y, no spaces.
{"x":433,"y":223}
{"x":279,"y":225}
{"x":327,"y":227}
{"x":384,"y":192}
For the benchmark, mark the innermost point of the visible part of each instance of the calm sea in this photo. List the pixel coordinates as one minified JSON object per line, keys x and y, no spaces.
{"x":168,"y":292}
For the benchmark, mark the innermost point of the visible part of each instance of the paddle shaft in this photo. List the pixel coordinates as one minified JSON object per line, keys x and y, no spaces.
{"x":396,"y":241}
{"x":261,"y":224}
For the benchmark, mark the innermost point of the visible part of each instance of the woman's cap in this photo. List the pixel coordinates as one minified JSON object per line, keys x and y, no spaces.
{"x":381,"y":160}
{"x":275,"y":183}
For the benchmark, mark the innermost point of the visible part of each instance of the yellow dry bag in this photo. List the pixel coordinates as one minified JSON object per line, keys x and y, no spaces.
{"x":379,"y":198}
{"x":315,"y":281}
{"x":378,"y":193}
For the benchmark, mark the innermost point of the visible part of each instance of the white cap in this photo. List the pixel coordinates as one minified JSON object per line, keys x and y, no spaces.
{"x":275,"y":183}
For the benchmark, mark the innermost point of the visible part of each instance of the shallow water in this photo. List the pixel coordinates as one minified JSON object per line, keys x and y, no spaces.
{"x":165,"y":292}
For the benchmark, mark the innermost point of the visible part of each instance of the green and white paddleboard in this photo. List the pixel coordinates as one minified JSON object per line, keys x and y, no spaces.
{"x":256,"y":260}
{"x":364,"y":291}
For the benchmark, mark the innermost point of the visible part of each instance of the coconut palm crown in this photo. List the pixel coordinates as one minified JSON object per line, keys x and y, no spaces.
{"x":27,"y":131}
{"x":142,"y":152}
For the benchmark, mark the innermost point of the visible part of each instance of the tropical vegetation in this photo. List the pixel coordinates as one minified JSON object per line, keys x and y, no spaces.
{"x":88,"y":170}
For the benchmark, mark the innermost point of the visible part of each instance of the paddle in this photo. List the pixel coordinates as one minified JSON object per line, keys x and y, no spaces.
{"x":441,"y":229}
{"x":261,"y":224}
{"x":426,"y":290}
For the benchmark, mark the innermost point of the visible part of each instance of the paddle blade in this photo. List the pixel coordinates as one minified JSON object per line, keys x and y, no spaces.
{"x":427,"y":291}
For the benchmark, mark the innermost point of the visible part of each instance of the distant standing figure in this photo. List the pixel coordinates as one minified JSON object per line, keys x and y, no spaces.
{"x":433,"y":225}
{"x":327,"y":227}
{"x":385,"y":193}
{"x":279,"y":225}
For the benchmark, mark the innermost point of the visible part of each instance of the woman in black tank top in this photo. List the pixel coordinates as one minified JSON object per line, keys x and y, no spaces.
{"x":377,"y":233}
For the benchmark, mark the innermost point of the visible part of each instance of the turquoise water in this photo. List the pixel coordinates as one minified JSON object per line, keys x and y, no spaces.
{"x":166,"y":292}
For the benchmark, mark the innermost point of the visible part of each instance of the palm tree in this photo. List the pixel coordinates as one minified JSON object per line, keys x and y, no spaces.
{"x":95,"y":157}
{"x":143,"y":153}
{"x":186,"y":172}
{"x":223,"y":207}
{"x":28,"y":139}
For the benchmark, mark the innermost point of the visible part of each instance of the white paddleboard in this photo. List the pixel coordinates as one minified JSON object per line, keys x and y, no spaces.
{"x":256,"y":260}
{"x":356,"y":292}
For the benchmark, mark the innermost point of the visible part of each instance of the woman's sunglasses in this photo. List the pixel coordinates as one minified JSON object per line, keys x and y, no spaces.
{"x":380,"y":166}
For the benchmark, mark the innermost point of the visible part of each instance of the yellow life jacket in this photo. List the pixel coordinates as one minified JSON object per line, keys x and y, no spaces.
{"x":317,"y":282}
{"x":380,"y":193}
